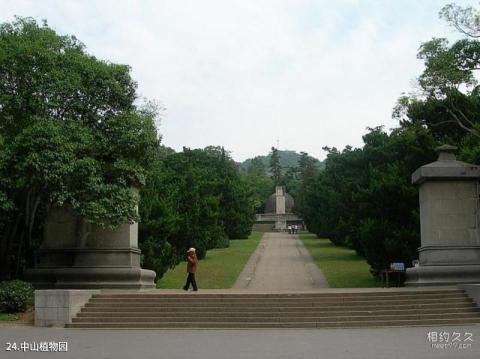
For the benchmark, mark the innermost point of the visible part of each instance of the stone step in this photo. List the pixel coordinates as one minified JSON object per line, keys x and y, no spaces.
{"x":281,"y":318}
{"x":296,"y":313}
{"x":255,"y":325}
{"x":387,"y":293}
{"x":289,"y":310}
{"x":146,"y":308}
{"x":195,"y":299}
{"x":314,"y":303}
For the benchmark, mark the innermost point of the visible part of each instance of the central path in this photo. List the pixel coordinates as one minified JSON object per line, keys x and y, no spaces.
{"x":280,"y":263}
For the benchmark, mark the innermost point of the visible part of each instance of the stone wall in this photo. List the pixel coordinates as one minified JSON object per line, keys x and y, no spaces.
{"x":55,"y":307}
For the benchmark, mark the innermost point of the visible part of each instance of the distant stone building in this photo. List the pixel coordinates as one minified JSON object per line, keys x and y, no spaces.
{"x":278,"y":212}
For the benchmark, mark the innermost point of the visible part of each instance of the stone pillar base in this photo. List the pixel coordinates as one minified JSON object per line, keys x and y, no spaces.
{"x":91,"y":278}
{"x":442,"y":275}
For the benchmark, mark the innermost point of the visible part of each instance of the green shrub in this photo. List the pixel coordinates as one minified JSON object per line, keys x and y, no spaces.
{"x":15,"y":295}
{"x":158,"y":255}
{"x":222,"y":242}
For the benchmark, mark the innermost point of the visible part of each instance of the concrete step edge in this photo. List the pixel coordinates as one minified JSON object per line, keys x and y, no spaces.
{"x":278,"y":308}
{"x":194,"y":298}
{"x":206,"y":325}
{"x":318,"y":319}
{"x":287,"y":295}
{"x":473,"y":310}
{"x":256,"y":304}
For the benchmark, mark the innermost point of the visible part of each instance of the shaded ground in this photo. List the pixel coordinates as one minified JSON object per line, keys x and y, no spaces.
{"x":280,"y":262}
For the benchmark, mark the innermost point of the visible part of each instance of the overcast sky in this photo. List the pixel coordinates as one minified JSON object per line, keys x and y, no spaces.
{"x":243,"y":73}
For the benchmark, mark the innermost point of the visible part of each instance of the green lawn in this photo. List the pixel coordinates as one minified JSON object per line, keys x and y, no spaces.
{"x":219,"y":269}
{"x":342,"y":267}
{"x":7,"y":317}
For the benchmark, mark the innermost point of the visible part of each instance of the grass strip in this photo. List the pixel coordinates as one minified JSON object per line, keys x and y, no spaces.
{"x":219,"y":269}
{"x":341,"y":266}
{"x":8,"y":317}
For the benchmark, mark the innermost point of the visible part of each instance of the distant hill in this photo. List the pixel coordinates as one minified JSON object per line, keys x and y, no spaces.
{"x":287,"y":159}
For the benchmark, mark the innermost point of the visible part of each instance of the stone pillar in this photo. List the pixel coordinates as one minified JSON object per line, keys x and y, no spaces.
{"x":280,"y":199}
{"x":449,"y":222}
{"x":77,"y":255}
{"x":281,"y":220}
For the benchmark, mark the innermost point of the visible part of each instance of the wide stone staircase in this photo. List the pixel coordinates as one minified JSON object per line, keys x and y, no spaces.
{"x":293,"y":310}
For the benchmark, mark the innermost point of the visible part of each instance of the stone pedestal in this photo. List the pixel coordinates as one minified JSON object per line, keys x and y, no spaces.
{"x":449,"y":222}
{"x":78,"y":255}
{"x":281,"y":223}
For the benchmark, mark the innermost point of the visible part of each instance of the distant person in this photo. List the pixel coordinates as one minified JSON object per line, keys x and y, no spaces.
{"x":295,"y":229}
{"x":289,"y":229}
{"x":192,"y":262}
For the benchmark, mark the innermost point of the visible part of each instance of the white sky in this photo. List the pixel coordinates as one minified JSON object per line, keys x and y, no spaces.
{"x":241,"y":73}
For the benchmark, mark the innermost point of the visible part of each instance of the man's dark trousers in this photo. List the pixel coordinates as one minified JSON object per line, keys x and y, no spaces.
{"x":191,"y":280}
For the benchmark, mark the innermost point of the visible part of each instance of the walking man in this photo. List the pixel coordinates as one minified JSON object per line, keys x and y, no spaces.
{"x":192,"y":262}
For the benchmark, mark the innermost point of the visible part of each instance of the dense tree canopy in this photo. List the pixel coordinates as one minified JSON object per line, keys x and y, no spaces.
{"x":288,"y":167}
{"x":192,"y":198}
{"x":449,"y":99}
{"x":364,"y":198}
{"x":260,"y":184}
{"x":70,"y":135}
{"x":275,"y":167}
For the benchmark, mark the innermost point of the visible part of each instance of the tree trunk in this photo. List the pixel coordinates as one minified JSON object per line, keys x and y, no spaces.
{"x":6,"y":266}
{"x":19,"y":253}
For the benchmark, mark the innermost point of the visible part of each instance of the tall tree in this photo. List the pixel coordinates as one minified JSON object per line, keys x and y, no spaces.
{"x":465,"y":19}
{"x":70,"y":134}
{"x":257,"y":167}
{"x":275,"y":167}
{"x":193,"y":198}
{"x":364,"y":199}
{"x":449,"y":81}
{"x":259,"y":183}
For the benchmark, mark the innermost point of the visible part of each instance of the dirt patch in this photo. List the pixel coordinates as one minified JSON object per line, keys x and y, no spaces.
{"x":28,"y":317}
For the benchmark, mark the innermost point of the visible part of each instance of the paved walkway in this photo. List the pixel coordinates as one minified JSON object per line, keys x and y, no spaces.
{"x":364,"y":343}
{"x":280,"y":262}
